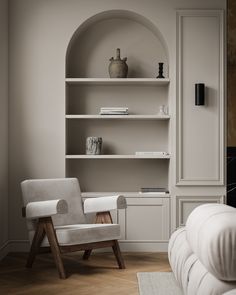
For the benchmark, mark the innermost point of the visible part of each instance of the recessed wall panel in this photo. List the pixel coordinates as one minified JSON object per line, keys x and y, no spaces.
{"x":200,"y":139}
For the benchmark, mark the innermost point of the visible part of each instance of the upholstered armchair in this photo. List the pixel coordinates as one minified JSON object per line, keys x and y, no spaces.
{"x":58,"y":220}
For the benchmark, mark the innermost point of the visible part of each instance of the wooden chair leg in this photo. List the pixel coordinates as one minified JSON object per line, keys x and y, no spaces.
{"x":101,"y":217}
{"x":55,"y":248}
{"x":37,"y":240}
{"x":87,"y":254}
{"x":119,"y":258}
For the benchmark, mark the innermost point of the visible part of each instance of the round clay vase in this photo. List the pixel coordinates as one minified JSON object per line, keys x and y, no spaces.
{"x":118,"y":67}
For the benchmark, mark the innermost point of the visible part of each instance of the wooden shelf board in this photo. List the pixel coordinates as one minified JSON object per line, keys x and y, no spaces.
{"x":116,"y":157}
{"x":118,"y":81}
{"x":115,"y":117}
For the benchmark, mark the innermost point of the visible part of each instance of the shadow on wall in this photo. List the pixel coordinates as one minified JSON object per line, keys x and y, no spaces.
{"x":231,"y":101}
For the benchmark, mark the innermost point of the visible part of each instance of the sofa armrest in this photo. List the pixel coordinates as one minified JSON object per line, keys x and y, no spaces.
{"x":45,"y":208}
{"x":102,"y":204}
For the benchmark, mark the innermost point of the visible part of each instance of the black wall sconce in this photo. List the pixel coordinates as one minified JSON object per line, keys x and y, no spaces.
{"x":199,"y":94}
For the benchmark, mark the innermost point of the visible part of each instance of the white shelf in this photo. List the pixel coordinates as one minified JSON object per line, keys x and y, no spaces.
{"x":116,"y":157}
{"x":119,"y":81}
{"x":126,"y":194}
{"x":126,"y":117}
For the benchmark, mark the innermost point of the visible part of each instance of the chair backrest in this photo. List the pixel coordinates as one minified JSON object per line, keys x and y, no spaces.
{"x":51,"y":189}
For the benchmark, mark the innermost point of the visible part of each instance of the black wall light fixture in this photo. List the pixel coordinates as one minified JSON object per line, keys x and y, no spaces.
{"x":199,"y":94}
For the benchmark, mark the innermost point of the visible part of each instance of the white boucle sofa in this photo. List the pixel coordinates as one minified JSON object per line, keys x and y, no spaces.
{"x":202,"y":254}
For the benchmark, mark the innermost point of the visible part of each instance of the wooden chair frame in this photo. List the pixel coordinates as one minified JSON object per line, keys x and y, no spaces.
{"x":45,"y":227}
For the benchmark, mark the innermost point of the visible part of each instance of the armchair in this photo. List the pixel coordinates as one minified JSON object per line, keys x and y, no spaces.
{"x":57,"y":220}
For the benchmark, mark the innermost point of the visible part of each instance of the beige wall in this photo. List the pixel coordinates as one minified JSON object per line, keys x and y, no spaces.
{"x":3,"y":121}
{"x":39,"y":34}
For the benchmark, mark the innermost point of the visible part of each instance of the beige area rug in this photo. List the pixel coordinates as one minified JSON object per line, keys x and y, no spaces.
{"x":158,"y":283}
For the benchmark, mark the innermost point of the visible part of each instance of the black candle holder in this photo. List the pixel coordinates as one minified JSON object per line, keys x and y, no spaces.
{"x":160,"y":71}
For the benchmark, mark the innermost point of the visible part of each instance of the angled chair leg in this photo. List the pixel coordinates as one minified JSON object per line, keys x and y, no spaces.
{"x":37,"y":240}
{"x":55,"y":248}
{"x":101,"y":217}
{"x":87,"y":254}
{"x":119,"y":258}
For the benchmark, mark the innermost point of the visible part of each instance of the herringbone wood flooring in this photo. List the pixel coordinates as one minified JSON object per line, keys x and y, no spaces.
{"x":99,"y":275}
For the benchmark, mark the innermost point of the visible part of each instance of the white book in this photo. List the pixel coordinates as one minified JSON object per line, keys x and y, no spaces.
{"x":113,"y":113}
{"x":114,"y":108}
{"x":152,"y":153}
{"x":153,"y":193}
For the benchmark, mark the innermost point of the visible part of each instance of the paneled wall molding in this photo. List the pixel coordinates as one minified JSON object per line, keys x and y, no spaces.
{"x":207,"y":169}
{"x":14,"y":246}
{"x":186,"y":203}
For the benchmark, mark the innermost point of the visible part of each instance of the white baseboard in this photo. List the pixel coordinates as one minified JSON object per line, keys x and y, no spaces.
{"x":19,"y":245}
{"x":23,"y":246}
{"x":143,"y":246}
{"x":14,"y":246}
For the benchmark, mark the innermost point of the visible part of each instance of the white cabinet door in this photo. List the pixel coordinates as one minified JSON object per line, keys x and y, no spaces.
{"x":145,"y":224}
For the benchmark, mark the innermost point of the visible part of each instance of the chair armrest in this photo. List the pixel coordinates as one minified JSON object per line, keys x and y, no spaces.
{"x":45,"y":208}
{"x":102,"y":204}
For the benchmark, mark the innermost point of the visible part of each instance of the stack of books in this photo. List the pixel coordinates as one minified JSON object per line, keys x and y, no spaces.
{"x":114,"y":111}
{"x":161,"y":190}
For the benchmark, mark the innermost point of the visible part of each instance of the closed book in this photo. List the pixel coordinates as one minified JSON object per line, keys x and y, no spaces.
{"x":154,"y":190}
{"x":152,"y":153}
{"x":114,"y":109}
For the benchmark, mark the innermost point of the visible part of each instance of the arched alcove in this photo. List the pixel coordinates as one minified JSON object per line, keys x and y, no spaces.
{"x":96,"y":40}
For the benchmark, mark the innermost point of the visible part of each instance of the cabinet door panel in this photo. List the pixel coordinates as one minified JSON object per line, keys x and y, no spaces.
{"x":145,"y":219}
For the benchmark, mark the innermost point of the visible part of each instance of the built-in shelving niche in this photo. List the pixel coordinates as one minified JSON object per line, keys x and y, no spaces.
{"x":88,"y":87}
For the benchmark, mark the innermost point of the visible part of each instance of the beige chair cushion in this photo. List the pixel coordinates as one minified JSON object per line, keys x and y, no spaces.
{"x":67,"y":189}
{"x":83,"y":233}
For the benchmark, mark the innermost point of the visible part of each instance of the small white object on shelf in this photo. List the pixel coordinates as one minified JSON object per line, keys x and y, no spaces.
{"x":163,"y":110}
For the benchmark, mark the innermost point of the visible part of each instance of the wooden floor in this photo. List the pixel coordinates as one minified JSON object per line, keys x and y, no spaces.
{"x":97,"y":276}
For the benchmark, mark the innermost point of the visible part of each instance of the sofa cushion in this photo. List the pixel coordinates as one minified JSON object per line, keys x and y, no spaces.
{"x":83,"y":233}
{"x":178,"y":254}
{"x":232,"y":292}
{"x":190,"y":273}
{"x":211,"y":234}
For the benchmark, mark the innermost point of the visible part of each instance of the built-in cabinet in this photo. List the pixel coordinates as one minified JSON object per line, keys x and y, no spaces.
{"x":191,"y":136}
